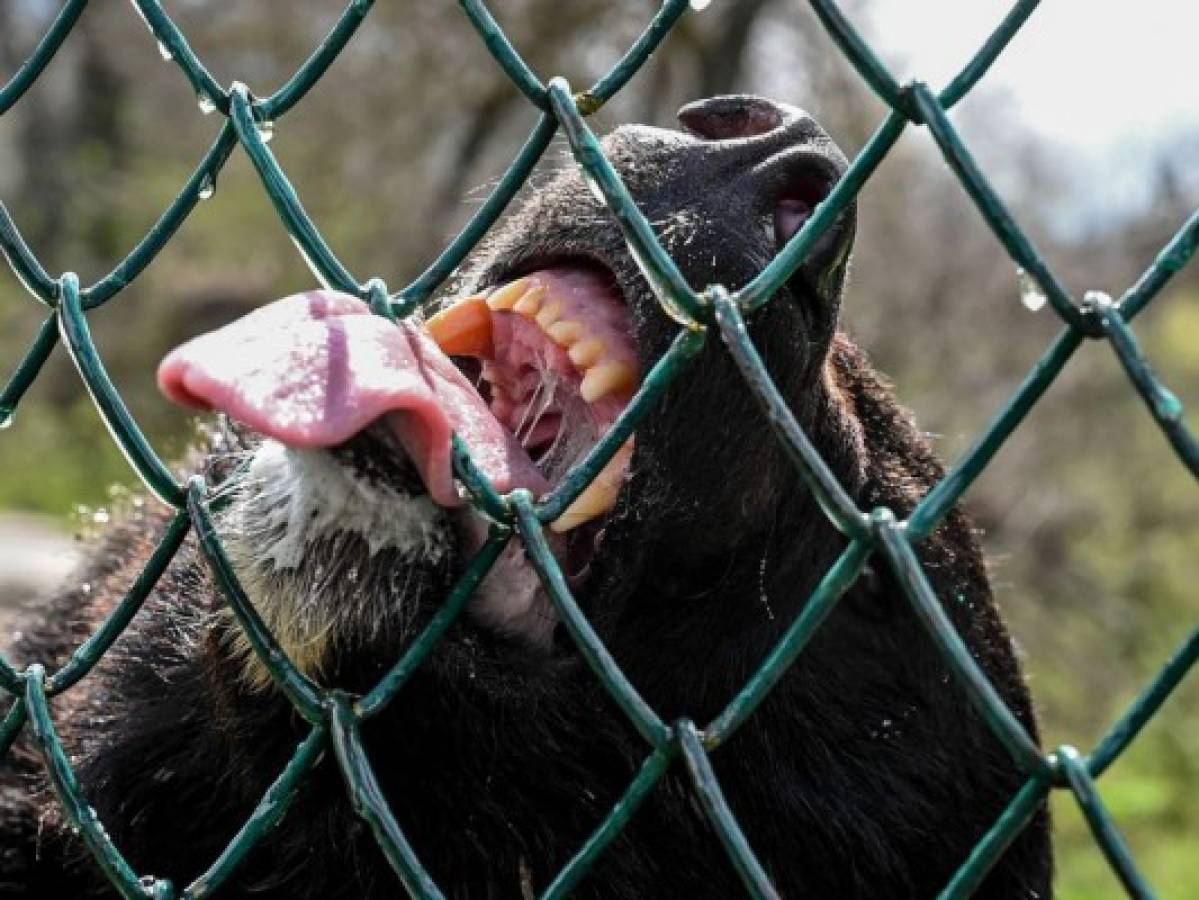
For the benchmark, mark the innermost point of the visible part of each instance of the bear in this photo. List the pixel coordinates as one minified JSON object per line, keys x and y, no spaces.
{"x":865,"y":773}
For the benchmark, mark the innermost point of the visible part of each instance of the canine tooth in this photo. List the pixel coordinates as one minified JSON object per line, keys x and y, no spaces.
{"x":605,"y":378}
{"x":530,"y":302}
{"x":565,"y":333}
{"x":596,"y":500}
{"x":505,"y":297}
{"x":549,"y":314}
{"x":584,"y":353}
{"x":463,"y":329}
{"x":599,"y":496}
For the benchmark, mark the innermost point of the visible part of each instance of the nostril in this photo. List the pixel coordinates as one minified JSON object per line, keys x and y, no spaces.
{"x":789,"y":217}
{"x":796,"y":204}
{"x":728,"y":118}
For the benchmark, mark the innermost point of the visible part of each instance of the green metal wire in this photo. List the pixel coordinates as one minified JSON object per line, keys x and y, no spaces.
{"x":389,"y":685}
{"x":1123,"y":732}
{"x":90,"y":651}
{"x":411,"y":297}
{"x":1102,"y":826}
{"x":837,"y":580}
{"x":664,"y":277}
{"x":79,"y":813}
{"x":41,"y":55}
{"x":1000,"y":836}
{"x":314,"y":68}
{"x":711,"y":799}
{"x":28,"y":369}
{"x":115,"y":415}
{"x":370,"y":803}
{"x":910,"y":575}
{"x":335,"y":718}
{"x":266,"y":815}
{"x":303,"y":694}
{"x":11,"y":725}
{"x":647,"y":779}
{"x":838,"y":506}
{"x":590,"y":646}
{"x":686,"y":345}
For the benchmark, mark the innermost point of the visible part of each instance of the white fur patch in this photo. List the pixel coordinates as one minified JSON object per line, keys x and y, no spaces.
{"x":306,"y":494}
{"x":290,"y":499}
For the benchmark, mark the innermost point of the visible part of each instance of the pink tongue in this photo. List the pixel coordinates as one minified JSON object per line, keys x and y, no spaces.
{"x":314,"y":369}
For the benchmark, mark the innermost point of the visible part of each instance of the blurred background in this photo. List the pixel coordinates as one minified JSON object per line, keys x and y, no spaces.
{"x":1085,"y":125}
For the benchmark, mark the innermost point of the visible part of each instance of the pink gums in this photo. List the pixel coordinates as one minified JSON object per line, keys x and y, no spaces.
{"x":525,"y":355}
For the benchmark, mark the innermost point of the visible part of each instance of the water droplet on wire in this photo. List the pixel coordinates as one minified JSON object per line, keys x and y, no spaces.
{"x":1031,"y":294}
{"x":1166,"y":404}
{"x":207,"y":187}
{"x":266,"y":130}
{"x":207,"y":104}
{"x":165,"y":52}
{"x":700,"y":5}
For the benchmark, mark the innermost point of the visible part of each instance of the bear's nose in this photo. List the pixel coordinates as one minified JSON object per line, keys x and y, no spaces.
{"x":739,"y":116}
{"x":770,"y":150}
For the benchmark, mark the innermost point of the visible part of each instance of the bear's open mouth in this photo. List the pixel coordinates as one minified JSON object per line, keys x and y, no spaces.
{"x":551,"y":353}
{"x":553,"y":358}
{"x":529,"y":375}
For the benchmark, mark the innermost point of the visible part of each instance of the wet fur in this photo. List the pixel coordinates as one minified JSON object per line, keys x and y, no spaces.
{"x":865,"y":774}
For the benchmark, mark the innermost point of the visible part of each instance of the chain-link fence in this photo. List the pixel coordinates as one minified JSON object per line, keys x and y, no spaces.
{"x":335,"y":717}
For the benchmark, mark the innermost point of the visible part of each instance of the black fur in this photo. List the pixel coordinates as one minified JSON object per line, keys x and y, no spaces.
{"x":865,"y":774}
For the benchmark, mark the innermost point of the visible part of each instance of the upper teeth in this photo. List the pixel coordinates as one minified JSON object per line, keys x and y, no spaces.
{"x":604,"y":378}
{"x":530,"y":302}
{"x":506,"y":296}
{"x":585,"y":353}
{"x":549,"y":313}
{"x":565,"y":333}
{"x":604,"y":366}
{"x":602,"y":373}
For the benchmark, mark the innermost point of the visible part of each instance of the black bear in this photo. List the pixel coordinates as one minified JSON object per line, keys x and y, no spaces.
{"x":866,"y":773}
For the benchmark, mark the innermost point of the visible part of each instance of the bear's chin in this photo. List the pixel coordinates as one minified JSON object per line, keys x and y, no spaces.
{"x":328,"y":558}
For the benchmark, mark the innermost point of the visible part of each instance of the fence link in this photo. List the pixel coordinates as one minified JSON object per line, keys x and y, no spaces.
{"x":335,"y":717}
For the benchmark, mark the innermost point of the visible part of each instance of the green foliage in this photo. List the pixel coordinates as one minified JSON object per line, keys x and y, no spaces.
{"x":74,"y":460}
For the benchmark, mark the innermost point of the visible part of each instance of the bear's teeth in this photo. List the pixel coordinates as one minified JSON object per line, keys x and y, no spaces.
{"x":564,"y":334}
{"x":507,"y":296}
{"x":599,"y":496}
{"x":530,"y":303}
{"x":606,"y":377}
{"x":549,"y":314}
{"x":586,"y":353}
{"x":463,"y":329}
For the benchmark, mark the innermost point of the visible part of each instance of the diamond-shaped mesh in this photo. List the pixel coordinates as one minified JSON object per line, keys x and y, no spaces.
{"x":713,"y":313}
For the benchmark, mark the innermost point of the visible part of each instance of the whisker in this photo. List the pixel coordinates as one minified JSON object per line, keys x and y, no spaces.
{"x":523,"y":427}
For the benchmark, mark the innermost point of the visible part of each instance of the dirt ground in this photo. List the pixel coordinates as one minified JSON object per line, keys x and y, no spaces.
{"x":36,"y":554}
